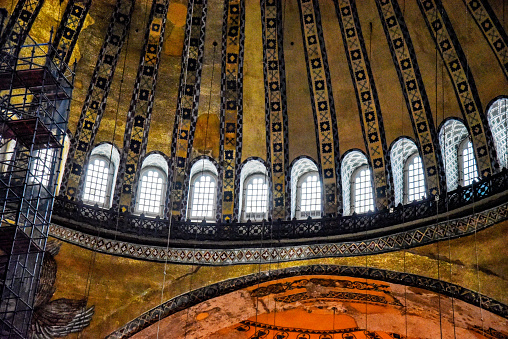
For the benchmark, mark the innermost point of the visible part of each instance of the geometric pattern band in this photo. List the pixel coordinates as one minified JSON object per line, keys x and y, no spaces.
{"x":275,"y":104}
{"x":417,"y":102}
{"x":367,"y":99}
{"x":18,"y":27}
{"x":428,"y":234}
{"x":70,"y":26}
{"x":442,"y":32}
{"x":323,"y":107}
{"x":492,"y":30}
{"x":96,"y":99}
{"x":194,"y":297}
{"x":188,"y":99}
{"x":137,"y":125}
{"x":231,"y":118}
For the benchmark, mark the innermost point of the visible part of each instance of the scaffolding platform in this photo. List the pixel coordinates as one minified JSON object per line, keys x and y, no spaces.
{"x":29,"y":132}
{"x":22,"y":245}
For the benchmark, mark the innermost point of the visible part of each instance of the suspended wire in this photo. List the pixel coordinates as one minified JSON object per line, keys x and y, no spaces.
{"x":170,"y":209}
{"x":94,"y":252}
{"x":404,"y":190}
{"x":436,"y":57}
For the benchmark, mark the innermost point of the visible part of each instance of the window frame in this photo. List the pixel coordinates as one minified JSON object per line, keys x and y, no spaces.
{"x":460,"y":156}
{"x":42,"y":178}
{"x":191,"y":197}
{"x":246,"y":182}
{"x":407,"y":163}
{"x":353,"y":184}
{"x":298,"y":208}
{"x":109,"y":185}
{"x":164,"y":178}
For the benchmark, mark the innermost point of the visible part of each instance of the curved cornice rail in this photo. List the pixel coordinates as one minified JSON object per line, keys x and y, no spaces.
{"x":199,"y":295}
{"x":464,"y":201}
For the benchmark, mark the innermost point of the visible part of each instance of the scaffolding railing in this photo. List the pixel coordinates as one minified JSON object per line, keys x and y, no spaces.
{"x":35,"y":95}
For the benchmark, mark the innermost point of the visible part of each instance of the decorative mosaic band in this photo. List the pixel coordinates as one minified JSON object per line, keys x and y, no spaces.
{"x":67,"y":34}
{"x":231,"y":118}
{"x":18,"y":27}
{"x":275,"y":106}
{"x":188,"y":99}
{"x":322,"y":102}
{"x":140,"y":110}
{"x":367,"y":99}
{"x":492,"y":29}
{"x":96,"y":98}
{"x":417,"y":102}
{"x":462,"y":79}
{"x":219,"y":257}
{"x":194,"y":297}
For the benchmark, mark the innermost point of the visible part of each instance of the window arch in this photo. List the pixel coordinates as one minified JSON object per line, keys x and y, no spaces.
{"x":100,"y":175}
{"x":355,"y":193}
{"x":414,"y":180}
{"x":254,"y":188}
{"x":151,"y":190}
{"x":202,"y":201}
{"x":400,"y":152}
{"x":451,"y":133}
{"x":467,"y":163}
{"x":497,"y":116}
{"x":306,"y":189}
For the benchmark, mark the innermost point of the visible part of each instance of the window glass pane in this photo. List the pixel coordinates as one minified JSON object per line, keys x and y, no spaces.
{"x":363,"y":192}
{"x":42,"y":166}
{"x":256,"y":198}
{"x":203,"y":201}
{"x":469,"y":164}
{"x":415,"y":180}
{"x":310,"y":197}
{"x":96,"y":182}
{"x":150,"y":192}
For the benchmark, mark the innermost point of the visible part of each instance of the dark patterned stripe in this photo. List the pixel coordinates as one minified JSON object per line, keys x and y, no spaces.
{"x":17,"y":29}
{"x":367,"y":99}
{"x":323,"y":106}
{"x":492,"y":30}
{"x":417,"y":102}
{"x":202,"y":294}
{"x":231,"y":104}
{"x":137,"y":125}
{"x":188,"y":99}
{"x":275,"y":106}
{"x":254,"y":255}
{"x":462,"y":79}
{"x":67,"y":34}
{"x":96,"y":99}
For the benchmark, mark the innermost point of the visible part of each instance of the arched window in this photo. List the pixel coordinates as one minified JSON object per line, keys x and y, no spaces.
{"x":255,"y":197}
{"x":202,"y":191}
{"x":415,"y":180}
{"x":357,"y":196}
{"x":43,"y":166}
{"x":151,"y":190}
{"x":100,"y":175}
{"x":309,"y":195}
{"x":362,"y":190}
{"x":467,"y":163}
{"x":254,"y":188}
{"x":498,"y":121}
{"x":306,"y":189}
{"x":401,"y":151}
{"x":451,"y":133}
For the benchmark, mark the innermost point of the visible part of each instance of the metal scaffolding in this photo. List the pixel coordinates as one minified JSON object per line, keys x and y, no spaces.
{"x":35,"y":95}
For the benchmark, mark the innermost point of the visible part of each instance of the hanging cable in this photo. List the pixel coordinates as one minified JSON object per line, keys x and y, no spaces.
{"x":110,"y":159}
